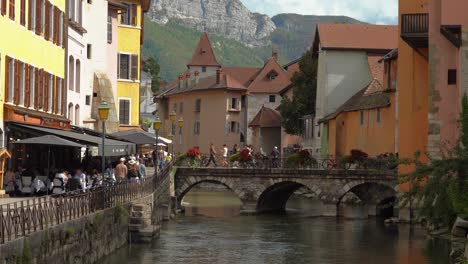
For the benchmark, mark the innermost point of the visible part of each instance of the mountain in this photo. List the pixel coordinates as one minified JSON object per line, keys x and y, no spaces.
{"x":239,"y":37}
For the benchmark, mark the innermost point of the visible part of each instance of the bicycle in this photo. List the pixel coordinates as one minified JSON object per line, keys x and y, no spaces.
{"x":334,"y":163}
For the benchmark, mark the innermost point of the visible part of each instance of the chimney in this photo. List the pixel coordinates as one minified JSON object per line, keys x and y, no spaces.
{"x":274,"y":54}
{"x":197,"y":77}
{"x":181,"y":77}
{"x":219,"y":76}
{"x":187,"y":79}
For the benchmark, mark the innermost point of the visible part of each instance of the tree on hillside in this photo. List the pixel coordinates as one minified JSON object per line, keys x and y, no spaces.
{"x":441,"y":185}
{"x":152,"y":67}
{"x":304,"y":94}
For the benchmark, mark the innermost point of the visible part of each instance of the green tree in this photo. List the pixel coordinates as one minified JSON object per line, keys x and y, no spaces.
{"x":441,"y":185}
{"x":153,"y":68}
{"x":302,"y":102}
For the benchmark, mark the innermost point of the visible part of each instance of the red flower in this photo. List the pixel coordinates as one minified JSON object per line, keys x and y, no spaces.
{"x":193,"y":152}
{"x":245,"y":155}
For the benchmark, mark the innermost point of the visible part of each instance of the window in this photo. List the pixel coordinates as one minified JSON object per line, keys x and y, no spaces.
{"x":43,"y":16}
{"x":77,"y":115}
{"x":124,"y":111}
{"x":272,"y":75}
{"x":181,"y":107}
{"x":22,"y":83}
{"x":71,"y":10}
{"x":88,"y":100}
{"x":378,"y":115}
{"x":109,"y":28}
{"x":78,"y":77}
{"x":308,"y":131}
{"x":89,"y":51}
{"x":59,"y":96}
{"x":50,"y":93}
{"x":128,"y":17}
{"x":128,"y":66}
{"x":174,"y":107}
{"x":234,"y":103}
{"x":32,"y":15}
{"x":79,"y":12}
{"x":233,"y":127}
{"x":203,"y":69}
{"x":196,"y":128}
{"x":272,"y":99}
{"x":51,"y":22}
{"x":362,"y":118}
{"x":198,"y":105}
{"x":452,"y":76}
{"x":11,"y":11}
{"x":70,"y":112}
{"x":11,"y":79}
{"x":32,"y":83}
{"x":71,"y":73}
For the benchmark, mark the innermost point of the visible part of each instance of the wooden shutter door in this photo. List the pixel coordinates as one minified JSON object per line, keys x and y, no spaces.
{"x":45,"y":98}
{"x":56,"y":25}
{"x":3,"y":7}
{"x":17,"y":83}
{"x":47,"y":20}
{"x":11,"y":11}
{"x":7,"y":78}
{"x":64,"y":97}
{"x":134,"y":15}
{"x":134,"y":66}
{"x":40,"y":89}
{"x":23,"y":12}
{"x":64,"y":29}
{"x":55,"y":99}
{"x":29,"y":14}
{"x":38,"y":17}
{"x":27,"y":85}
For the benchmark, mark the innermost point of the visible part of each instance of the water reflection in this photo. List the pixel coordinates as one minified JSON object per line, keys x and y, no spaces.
{"x":211,"y":233}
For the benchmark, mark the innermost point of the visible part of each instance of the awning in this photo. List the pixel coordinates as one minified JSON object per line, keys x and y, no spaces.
{"x":112,"y":147}
{"x":140,"y":137}
{"x":49,"y":140}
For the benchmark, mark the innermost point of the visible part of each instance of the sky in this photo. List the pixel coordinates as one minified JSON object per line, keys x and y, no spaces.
{"x":371,"y":11}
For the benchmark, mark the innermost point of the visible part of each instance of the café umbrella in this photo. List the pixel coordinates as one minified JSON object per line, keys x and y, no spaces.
{"x":49,"y":140}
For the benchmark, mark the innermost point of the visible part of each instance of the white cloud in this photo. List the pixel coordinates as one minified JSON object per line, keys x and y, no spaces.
{"x":372,"y":11}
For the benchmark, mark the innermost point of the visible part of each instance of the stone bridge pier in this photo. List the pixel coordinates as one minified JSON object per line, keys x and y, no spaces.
{"x":268,"y":190}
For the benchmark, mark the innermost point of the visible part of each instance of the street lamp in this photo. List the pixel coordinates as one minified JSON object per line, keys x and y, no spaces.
{"x":157,"y":125}
{"x":180,"y":123}
{"x":103,"y":110}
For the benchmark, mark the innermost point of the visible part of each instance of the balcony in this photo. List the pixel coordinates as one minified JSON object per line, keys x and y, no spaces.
{"x":415,"y":29}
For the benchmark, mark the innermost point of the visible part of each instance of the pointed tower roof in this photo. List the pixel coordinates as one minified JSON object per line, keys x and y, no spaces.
{"x":204,"y":55}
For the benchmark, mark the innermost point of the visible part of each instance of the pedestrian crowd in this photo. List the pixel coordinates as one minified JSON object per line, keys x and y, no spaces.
{"x":274,"y":155}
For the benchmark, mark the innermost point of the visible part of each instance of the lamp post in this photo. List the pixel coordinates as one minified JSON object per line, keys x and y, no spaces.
{"x":180,"y":123}
{"x":103,"y":110}
{"x":157,"y":125}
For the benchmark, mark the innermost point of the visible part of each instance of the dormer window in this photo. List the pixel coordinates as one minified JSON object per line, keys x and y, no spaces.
{"x":272,"y":75}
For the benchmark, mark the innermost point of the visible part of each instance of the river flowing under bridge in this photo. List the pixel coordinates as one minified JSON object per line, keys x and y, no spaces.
{"x":268,"y":190}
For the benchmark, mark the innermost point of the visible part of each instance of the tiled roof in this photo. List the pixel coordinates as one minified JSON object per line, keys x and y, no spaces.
{"x":262,"y":82}
{"x":245,"y":75}
{"x":204,"y":55}
{"x":363,"y":100}
{"x":357,"y":36}
{"x":266,"y":117}
{"x":205,"y":84}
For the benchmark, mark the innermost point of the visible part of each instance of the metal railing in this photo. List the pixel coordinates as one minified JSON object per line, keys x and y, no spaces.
{"x":414,"y":23}
{"x":22,"y":218}
{"x":259,"y":162}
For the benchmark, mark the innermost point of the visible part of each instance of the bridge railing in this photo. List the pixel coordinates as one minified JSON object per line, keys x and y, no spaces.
{"x":260,"y":162}
{"x":21,"y":218}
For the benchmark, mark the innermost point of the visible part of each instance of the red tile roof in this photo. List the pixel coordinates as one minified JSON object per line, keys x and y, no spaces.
{"x":204,"y":55}
{"x":266,"y":117}
{"x":357,"y":36}
{"x":245,"y":75}
{"x":262,"y":82}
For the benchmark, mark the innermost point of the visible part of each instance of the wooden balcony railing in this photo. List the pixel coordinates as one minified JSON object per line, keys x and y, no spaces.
{"x":414,"y":23}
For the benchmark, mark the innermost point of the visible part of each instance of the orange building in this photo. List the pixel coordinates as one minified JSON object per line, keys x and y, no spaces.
{"x":367,"y":121}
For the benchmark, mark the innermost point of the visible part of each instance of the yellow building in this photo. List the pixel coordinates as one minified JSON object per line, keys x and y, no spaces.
{"x":129,"y":57}
{"x":32,"y":63}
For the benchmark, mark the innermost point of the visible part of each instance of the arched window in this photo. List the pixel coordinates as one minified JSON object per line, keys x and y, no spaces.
{"x":77,"y":115}
{"x":70,"y":112}
{"x":78,"y":76}
{"x":71,"y":73}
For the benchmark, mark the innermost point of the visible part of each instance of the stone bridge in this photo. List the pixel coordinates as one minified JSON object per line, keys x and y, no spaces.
{"x":268,"y":190}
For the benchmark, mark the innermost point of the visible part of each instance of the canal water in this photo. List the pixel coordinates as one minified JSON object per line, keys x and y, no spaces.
{"x":213,"y":232}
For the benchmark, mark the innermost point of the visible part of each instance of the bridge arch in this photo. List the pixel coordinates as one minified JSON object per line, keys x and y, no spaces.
{"x":371,"y":193}
{"x":191,"y":182}
{"x":275,"y":196}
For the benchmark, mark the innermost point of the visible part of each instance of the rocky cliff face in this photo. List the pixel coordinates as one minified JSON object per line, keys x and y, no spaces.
{"x":229,"y":18}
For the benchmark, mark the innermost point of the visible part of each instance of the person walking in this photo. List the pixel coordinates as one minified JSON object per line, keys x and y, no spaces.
{"x":142,"y":168}
{"x":133,"y":173}
{"x":275,"y":157}
{"x":235,"y":149}
{"x":225,"y":156}
{"x":121,"y":171}
{"x":212,"y":156}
